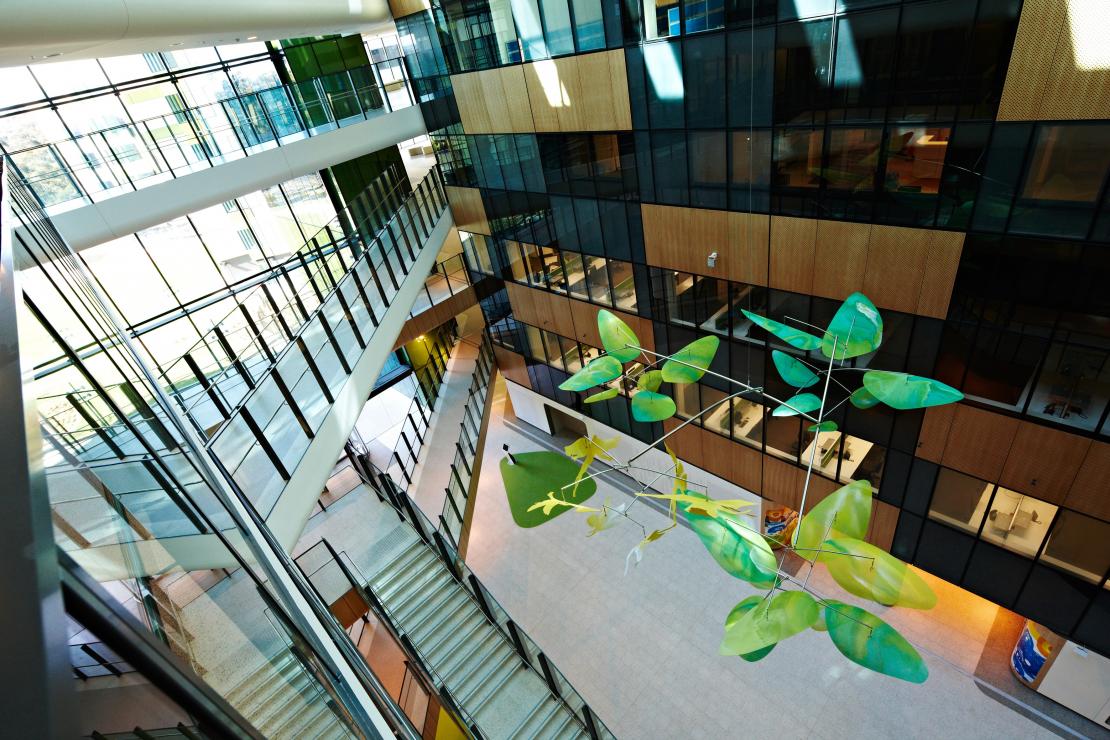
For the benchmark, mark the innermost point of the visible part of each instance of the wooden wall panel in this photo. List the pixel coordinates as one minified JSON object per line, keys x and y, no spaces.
{"x":471,"y":102}
{"x":1090,"y":491}
{"x":512,"y":366}
{"x":524,"y":308}
{"x":1048,"y":77}
{"x":685,"y":443}
{"x":934,"y":432}
{"x":895,"y":263}
{"x":941,"y":264}
{"x":1043,"y":462}
{"x":745,"y":467}
{"x":884,"y":520}
{"x":792,"y":245}
{"x":840,"y":258}
{"x":401,"y":8}
{"x":716,"y":451}
{"x":748,"y":238}
{"x":683,"y":238}
{"x":584,"y":318}
{"x":782,"y":482}
{"x":979,"y":442}
{"x":587,"y":92}
{"x":497,"y":106}
{"x":467,"y":210}
{"x":515,"y":89}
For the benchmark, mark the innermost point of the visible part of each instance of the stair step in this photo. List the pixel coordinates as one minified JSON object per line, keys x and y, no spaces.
{"x":416,"y":596}
{"x":536,"y":718}
{"x":445,"y":642}
{"x":396,"y":573}
{"x":459,"y":662}
{"x":417,"y":572}
{"x":467,"y":686}
{"x":447,"y":618}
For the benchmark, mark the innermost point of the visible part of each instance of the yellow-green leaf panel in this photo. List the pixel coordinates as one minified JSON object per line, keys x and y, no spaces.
{"x":845,"y":512}
{"x":870,"y":572}
{"x":771,"y":621}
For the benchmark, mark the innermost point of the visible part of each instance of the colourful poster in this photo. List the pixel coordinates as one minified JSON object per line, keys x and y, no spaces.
{"x":778,"y":525}
{"x":1030,"y":653}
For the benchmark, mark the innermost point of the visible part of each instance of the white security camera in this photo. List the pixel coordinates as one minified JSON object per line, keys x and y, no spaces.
{"x":712,"y":261}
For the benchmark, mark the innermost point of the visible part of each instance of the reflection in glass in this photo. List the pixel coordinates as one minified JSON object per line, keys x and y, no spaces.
{"x":747,"y":418}
{"x":1079,"y":544}
{"x":960,"y":500}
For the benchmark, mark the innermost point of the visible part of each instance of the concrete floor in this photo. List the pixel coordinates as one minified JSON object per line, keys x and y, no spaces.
{"x":642,"y":648}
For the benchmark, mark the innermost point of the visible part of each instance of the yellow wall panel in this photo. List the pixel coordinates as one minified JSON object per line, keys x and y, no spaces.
{"x":515,"y":90}
{"x":840,"y":257}
{"x":1057,"y":70}
{"x":545,"y":95}
{"x":467,"y":210}
{"x":895,"y":262}
{"x":748,"y":236}
{"x":401,"y":8}
{"x":941,"y":264}
{"x":792,"y":245}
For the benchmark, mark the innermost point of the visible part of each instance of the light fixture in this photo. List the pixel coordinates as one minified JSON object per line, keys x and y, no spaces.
{"x":252,"y":38}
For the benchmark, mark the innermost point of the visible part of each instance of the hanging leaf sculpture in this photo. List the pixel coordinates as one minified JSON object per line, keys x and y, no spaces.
{"x":690,"y":363}
{"x":862,"y":399}
{"x":867,"y":571}
{"x":736,"y":548}
{"x":617,"y":337}
{"x":830,"y":534}
{"x":740,"y":610}
{"x":867,"y":640}
{"x":902,"y":391}
{"x":793,"y":371}
{"x":802,"y":403}
{"x":596,"y":372}
{"x":790,"y":335}
{"x":650,"y":380}
{"x":845,"y":512}
{"x":773,"y":620}
{"x":856,"y":328}
{"x":648,"y":406}
{"x":604,"y":395}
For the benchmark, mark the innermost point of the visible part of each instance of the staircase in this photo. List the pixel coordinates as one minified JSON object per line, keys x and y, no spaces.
{"x":283,"y":703}
{"x":473,"y":658}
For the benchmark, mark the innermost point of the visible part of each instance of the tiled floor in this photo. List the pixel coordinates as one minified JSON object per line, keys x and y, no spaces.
{"x":642,"y":648}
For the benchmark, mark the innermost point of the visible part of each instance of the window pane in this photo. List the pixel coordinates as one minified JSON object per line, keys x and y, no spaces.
{"x":624,"y":286}
{"x":60,"y":78}
{"x":1080,"y":545}
{"x":556,"y":19}
{"x":589,"y":28}
{"x":959,"y":500}
{"x":1064,"y":178}
{"x":1017,"y":522}
{"x":747,"y":417}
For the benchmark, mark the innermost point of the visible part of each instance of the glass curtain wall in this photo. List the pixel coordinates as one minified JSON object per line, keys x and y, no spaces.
{"x":112,"y":511}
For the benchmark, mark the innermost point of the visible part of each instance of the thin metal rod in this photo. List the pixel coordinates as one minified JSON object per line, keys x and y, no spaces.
{"x":817,"y":433}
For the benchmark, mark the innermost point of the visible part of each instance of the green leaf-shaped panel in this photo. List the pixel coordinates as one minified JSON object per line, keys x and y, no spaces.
{"x":604,"y":395}
{"x":793,"y":337}
{"x":691,"y":362}
{"x":650,"y":380}
{"x":802,"y":403}
{"x":856,"y":327}
{"x":872,"y":573}
{"x":902,"y":391}
{"x":740,"y":610}
{"x":861,"y":398}
{"x":534,"y":474}
{"x":791,"y":370}
{"x":772,"y":620}
{"x":741,"y":552}
{"x":598,"y":371}
{"x":650,"y":406}
{"x":617,"y":337}
{"x":845,"y":512}
{"x":825,"y":426}
{"x":867,"y":640}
